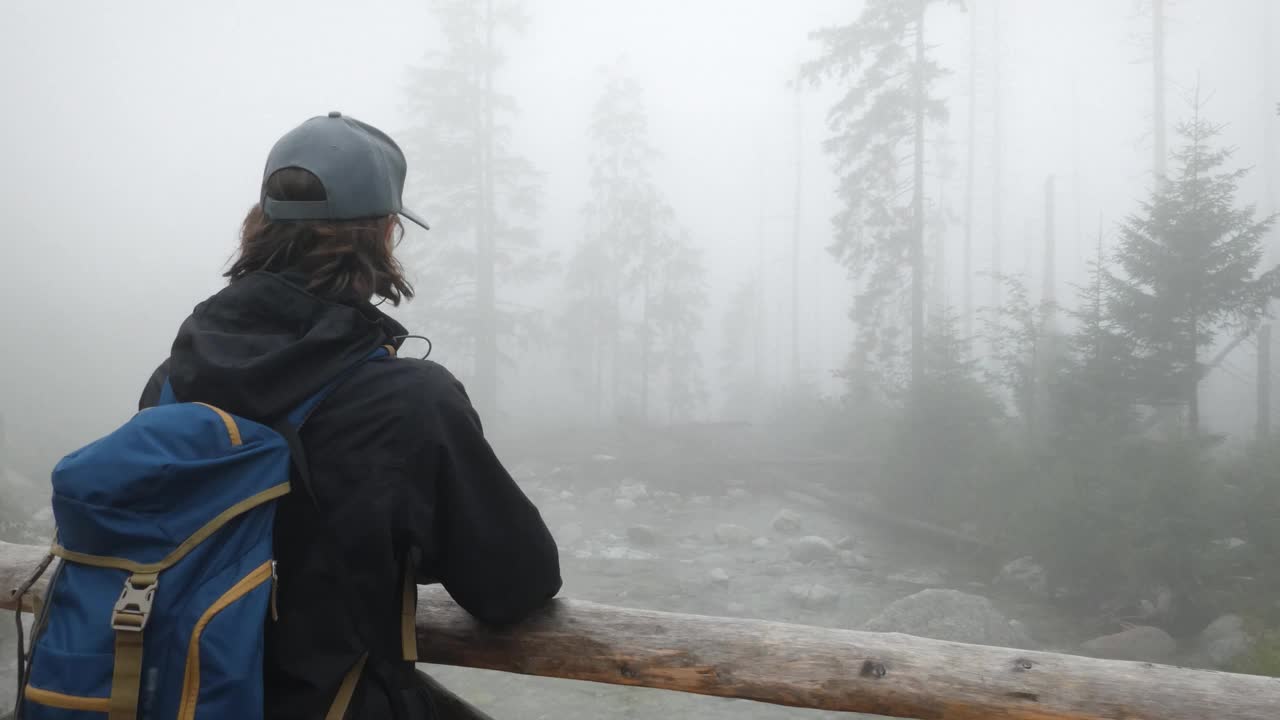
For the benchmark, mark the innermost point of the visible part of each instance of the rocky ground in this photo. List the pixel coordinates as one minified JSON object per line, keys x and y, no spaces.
{"x":768,"y":553}
{"x":741,"y":542}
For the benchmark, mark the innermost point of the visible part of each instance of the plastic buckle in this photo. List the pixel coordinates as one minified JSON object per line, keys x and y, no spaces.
{"x":134,"y":606}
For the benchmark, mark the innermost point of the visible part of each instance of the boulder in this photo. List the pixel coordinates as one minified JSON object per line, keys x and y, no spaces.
{"x":856,"y":561}
{"x":633,"y":492}
{"x":1144,"y":643}
{"x":787,"y":522}
{"x":811,"y":549}
{"x":1025,"y":575}
{"x":813,"y":596}
{"x":642,"y":535}
{"x":720,"y":576}
{"x":731,"y":534}
{"x":1224,"y":641}
{"x":953,"y":616}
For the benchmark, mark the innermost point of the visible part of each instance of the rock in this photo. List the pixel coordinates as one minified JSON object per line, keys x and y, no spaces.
{"x":642,"y":535}
{"x":846,"y":543}
{"x":761,"y":542}
{"x":633,"y":492}
{"x":813,"y":597}
{"x":787,"y":522}
{"x":720,"y":576}
{"x":1156,"y":603}
{"x":1026,"y":575}
{"x":569,"y":534}
{"x":851,"y":559}
{"x":1230,"y":543}
{"x":1146,"y":643}
{"x":811,"y":549}
{"x":917,"y":577}
{"x":615,"y":553}
{"x":624,"y":504}
{"x":950,"y":615}
{"x":1224,"y":640}
{"x":730,"y":534}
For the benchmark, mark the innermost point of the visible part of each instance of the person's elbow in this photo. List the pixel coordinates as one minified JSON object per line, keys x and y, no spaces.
{"x":517,"y":605}
{"x":506,"y":593}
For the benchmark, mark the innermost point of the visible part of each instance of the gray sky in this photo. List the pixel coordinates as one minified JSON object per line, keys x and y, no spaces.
{"x":134,"y":135}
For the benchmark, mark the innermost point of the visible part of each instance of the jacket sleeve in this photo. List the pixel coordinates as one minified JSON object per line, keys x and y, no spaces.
{"x":497,"y":558}
{"x":151,"y":392}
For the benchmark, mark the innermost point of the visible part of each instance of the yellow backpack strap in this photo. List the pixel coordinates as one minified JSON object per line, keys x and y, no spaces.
{"x":342,"y":701}
{"x":409,"y":613}
{"x":128,"y":620}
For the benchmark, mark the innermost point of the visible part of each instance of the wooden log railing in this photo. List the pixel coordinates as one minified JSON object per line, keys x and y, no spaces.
{"x":840,"y":670}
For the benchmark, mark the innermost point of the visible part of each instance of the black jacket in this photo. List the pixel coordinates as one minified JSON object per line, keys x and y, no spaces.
{"x":398,"y":464}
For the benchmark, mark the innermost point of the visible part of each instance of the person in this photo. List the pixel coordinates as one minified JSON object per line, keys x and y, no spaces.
{"x":407,"y":489}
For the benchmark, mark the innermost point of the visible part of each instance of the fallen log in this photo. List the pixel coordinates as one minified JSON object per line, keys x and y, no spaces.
{"x":838,"y":670}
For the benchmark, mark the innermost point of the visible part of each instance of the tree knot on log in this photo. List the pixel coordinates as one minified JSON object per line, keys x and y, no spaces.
{"x":1022,"y":665}
{"x":872,"y":668}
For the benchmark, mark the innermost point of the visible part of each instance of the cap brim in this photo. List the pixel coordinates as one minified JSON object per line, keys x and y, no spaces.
{"x":414,"y":217}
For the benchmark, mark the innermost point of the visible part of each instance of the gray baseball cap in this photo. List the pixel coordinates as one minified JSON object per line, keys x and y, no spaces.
{"x":361,"y":168}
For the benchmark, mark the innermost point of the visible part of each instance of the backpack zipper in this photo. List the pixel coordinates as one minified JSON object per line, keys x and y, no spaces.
{"x":191,"y":680}
{"x":275,"y":583}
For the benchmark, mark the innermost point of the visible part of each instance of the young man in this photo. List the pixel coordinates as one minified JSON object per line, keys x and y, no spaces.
{"x":406,"y":488}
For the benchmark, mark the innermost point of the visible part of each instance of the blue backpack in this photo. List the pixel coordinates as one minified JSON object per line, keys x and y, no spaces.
{"x":167,"y":579}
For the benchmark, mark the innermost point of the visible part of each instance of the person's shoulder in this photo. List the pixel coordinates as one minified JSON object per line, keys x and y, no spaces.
{"x":425,"y":379}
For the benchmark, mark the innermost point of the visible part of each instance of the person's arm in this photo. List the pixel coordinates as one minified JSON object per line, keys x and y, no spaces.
{"x":497,"y":558}
{"x":151,"y":392}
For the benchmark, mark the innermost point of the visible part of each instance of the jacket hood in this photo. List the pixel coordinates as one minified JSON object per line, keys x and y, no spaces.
{"x":263,"y":345}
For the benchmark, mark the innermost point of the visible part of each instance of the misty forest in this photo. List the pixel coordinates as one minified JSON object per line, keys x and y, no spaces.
{"x":943,"y":317}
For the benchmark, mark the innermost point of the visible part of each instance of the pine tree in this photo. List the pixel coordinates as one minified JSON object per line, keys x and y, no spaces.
{"x":635,"y":280}
{"x":739,"y":369}
{"x":878,"y":143}
{"x":481,"y":193}
{"x":1187,"y":266}
{"x":1094,"y":396}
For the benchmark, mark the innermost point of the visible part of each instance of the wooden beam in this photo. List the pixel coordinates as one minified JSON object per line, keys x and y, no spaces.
{"x":885,"y":674}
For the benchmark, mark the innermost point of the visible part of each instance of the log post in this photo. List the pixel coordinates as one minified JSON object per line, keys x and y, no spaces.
{"x":885,"y":674}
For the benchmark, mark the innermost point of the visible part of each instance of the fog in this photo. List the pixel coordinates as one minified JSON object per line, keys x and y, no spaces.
{"x":132,"y":143}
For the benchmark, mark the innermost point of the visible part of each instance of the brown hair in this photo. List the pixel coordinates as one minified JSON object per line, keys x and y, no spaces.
{"x":342,"y":260}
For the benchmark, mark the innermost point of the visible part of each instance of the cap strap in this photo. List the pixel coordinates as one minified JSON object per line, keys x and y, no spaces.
{"x":297,"y":209}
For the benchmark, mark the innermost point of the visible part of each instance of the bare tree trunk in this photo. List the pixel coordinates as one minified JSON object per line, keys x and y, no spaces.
{"x":1045,"y":349}
{"x":917,"y":220}
{"x":967,"y":261}
{"x":997,"y":162}
{"x":1193,"y":374}
{"x":486,"y":344}
{"x":795,"y":248}
{"x":1264,"y":382}
{"x":1158,"y":89}
{"x":646,"y":272}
